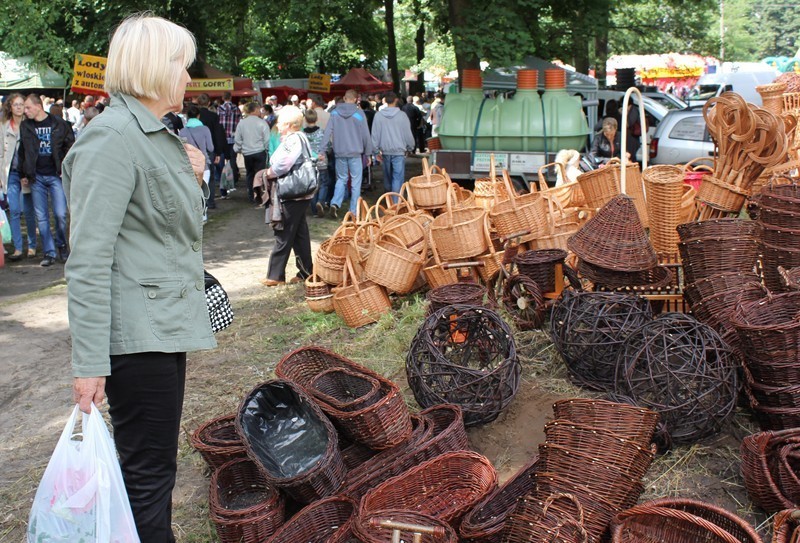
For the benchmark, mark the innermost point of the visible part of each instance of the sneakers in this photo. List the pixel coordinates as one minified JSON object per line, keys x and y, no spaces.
{"x":63,"y":254}
{"x":47,"y":261}
{"x":320,"y":210}
{"x":334,"y":211}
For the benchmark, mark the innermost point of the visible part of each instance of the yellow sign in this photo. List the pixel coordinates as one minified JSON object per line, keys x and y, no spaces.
{"x":205,"y":85}
{"x":319,"y":83}
{"x":89,"y":74}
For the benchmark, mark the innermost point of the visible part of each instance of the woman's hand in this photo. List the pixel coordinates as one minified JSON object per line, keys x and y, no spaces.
{"x":198,"y":160}
{"x":88,"y":390}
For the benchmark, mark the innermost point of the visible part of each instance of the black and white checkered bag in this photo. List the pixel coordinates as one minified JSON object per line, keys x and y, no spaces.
{"x":219,"y":306}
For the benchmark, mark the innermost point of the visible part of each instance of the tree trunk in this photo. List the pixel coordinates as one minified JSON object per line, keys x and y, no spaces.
{"x":392,"y":54}
{"x":464,"y":60}
{"x":420,"y":41}
{"x":601,"y":48}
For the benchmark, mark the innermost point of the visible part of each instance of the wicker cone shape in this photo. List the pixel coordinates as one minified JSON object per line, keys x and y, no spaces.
{"x":664,"y":186}
{"x":588,"y":330}
{"x":243,"y":505}
{"x":359,"y":303}
{"x":485,"y":522}
{"x":759,"y":467}
{"x":301,"y":455}
{"x":379,"y":425}
{"x":615,"y":239}
{"x":217,"y":441}
{"x":325,"y":521}
{"x":652,"y":279}
{"x":369,"y":530}
{"x":630,"y":422}
{"x":677,"y":520}
{"x":459,"y":233}
{"x":445,"y":487}
{"x":464,"y":355}
{"x":684,"y":371}
{"x":787,"y":526}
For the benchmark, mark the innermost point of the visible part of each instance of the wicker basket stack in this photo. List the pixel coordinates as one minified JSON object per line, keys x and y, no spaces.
{"x":769,"y":469}
{"x":589,"y":469}
{"x":779,"y":231}
{"x":769,"y":338}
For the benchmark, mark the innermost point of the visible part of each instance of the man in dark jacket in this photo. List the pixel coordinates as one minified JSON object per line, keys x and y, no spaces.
{"x":211,"y":120}
{"x":44,"y":141}
{"x":415,"y":118}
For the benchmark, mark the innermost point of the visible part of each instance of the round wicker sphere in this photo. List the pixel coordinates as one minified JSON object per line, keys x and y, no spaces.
{"x":683,"y":370}
{"x":464,"y":355}
{"x":588,"y":330}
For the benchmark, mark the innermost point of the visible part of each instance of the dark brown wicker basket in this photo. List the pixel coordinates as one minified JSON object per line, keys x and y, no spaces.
{"x":308,"y":468}
{"x":588,"y":330}
{"x":328,"y":520}
{"x":559,"y":518}
{"x":380,"y":425}
{"x":716,"y":310}
{"x":615,"y":239}
{"x":540,"y":265}
{"x":445,"y":487}
{"x":782,"y":197}
{"x":630,"y":422}
{"x":717,"y":228}
{"x":523,"y":300}
{"x":457,"y":293}
{"x":706,"y":257}
{"x":682,"y":369}
{"x":759,"y":457}
{"x":789,"y":469}
{"x":217,"y":441}
{"x":345,"y":389}
{"x":464,"y":355}
{"x":678,"y":520}
{"x":242,"y":504}
{"x":779,"y":236}
{"x":654,"y":278}
{"x":710,"y":286}
{"x":772,"y":258}
{"x":368,"y":529}
{"x":779,"y":218}
{"x":485,"y":522}
{"x":787,"y":526}
{"x":769,"y":330}
{"x":791,"y":277}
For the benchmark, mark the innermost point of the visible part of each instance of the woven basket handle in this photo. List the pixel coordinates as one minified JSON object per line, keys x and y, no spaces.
{"x":365,"y":229}
{"x":492,"y":171}
{"x":399,"y":242}
{"x":406,"y":193}
{"x":512,"y":194}
{"x":643,"y":122}
{"x":451,"y":195}
{"x":362,"y":210}
{"x":691,"y":166}
{"x":488,"y":234}
{"x":388,"y":205}
{"x":351,"y":274}
{"x":570,"y":522}
{"x":543,"y":183}
{"x":567,"y":497}
{"x":425,"y":169}
{"x":432,"y":245}
{"x":436,"y":169}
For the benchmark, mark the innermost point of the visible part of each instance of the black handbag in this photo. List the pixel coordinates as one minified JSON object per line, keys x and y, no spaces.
{"x":219,"y":305}
{"x":303,"y":179}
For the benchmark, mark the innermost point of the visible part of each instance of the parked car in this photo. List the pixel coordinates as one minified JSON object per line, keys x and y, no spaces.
{"x":681,"y":136}
{"x":669,"y":101}
{"x":654,"y":113}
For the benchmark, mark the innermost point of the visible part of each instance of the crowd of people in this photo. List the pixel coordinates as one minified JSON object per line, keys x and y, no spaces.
{"x":347,"y":136}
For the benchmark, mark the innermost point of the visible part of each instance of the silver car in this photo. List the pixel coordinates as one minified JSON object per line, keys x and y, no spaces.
{"x":681,"y":136}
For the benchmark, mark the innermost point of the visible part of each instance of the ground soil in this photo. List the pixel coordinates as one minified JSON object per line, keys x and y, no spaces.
{"x":36,"y":397}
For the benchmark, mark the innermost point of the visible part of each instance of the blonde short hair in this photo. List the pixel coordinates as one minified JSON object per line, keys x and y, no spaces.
{"x":292,"y":116}
{"x":146,"y":55}
{"x":610,"y":122}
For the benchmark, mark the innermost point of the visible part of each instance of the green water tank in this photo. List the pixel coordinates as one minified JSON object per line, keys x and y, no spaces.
{"x":565,"y":122}
{"x":520,"y":126}
{"x":458,"y":121}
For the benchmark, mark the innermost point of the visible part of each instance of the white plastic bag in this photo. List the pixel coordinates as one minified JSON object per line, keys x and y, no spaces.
{"x":82,"y":496}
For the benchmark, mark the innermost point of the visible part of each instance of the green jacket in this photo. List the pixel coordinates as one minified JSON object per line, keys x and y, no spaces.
{"x":135,"y":271}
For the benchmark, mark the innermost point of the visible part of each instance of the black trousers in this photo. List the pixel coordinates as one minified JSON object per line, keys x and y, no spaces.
{"x":230,"y":155}
{"x":253,"y":164}
{"x":294,"y":236}
{"x":145,"y":399}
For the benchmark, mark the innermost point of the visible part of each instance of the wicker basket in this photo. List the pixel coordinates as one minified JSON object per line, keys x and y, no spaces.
{"x":489,"y":189}
{"x":410,"y":228}
{"x":680,"y":520}
{"x":324,"y":521}
{"x":665,"y":191}
{"x":445,"y":487}
{"x":787,"y":526}
{"x":772,"y":96}
{"x":319,"y":297}
{"x":309,"y":468}
{"x":485,"y":522}
{"x":344,"y":389}
{"x":717,"y":228}
{"x":694,"y":173}
{"x":392,"y":265}
{"x":772,"y":258}
{"x":720,"y":195}
{"x":492,"y":261}
{"x":410,"y":526}
{"x":457,"y":293}
{"x":630,"y":422}
{"x":519,"y":215}
{"x":615,"y":239}
{"x":559,"y":518}
{"x":541,"y":266}
{"x":243,"y":506}
{"x":217,"y":441}
{"x":360,"y":303}
{"x":429,"y":190}
{"x":600,"y":186}
{"x":436,"y":272}
{"x":458,"y":233}
{"x":769,"y":329}
{"x":568,"y":194}
{"x":330,"y":258}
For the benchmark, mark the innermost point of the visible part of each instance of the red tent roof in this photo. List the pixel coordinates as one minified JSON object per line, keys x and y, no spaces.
{"x":360,"y":80}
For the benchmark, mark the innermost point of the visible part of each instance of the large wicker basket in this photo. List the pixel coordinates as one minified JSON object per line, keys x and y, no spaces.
{"x":325,"y":521}
{"x":430,"y":189}
{"x":217,"y":441}
{"x":519,"y":215}
{"x":664,"y":195}
{"x":359,"y":303}
{"x":458,"y":233}
{"x":394,"y":266}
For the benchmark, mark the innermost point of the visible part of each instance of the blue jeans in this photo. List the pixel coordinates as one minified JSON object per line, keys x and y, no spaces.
{"x":17,"y":204}
{"x":348,"y":166}
{"x":324,"y":188}
{"x":44,"y":187}
{"x":394,"y":172}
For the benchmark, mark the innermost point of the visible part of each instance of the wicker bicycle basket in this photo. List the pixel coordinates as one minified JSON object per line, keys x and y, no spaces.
{"x":445,"y":487}
{"x":429,"y":190}
{"x":458,"y":233}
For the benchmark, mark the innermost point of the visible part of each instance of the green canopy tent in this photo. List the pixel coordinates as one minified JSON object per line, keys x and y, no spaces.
{"x":19,"y":75}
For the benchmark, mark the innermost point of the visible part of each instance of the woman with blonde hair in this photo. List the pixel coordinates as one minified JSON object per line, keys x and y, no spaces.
{"x":18,"y":196}
{"x":135,"y":286}
{"x":293,"y":235}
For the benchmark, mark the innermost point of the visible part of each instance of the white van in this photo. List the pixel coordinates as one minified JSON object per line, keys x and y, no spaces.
{"x":742,"y":82}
